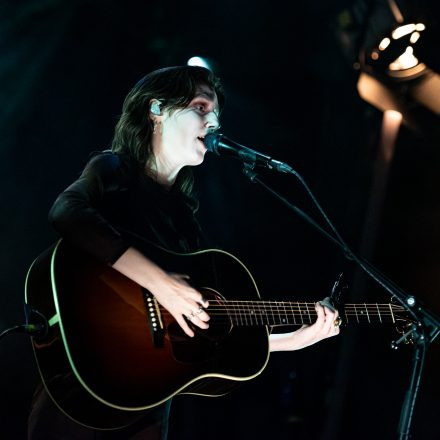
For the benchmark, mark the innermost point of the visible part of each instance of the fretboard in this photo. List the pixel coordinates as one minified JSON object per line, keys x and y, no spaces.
{"x":255,"y":313}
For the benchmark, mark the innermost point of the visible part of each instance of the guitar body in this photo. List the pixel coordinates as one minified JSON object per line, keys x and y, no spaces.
{"x":111,"y":354}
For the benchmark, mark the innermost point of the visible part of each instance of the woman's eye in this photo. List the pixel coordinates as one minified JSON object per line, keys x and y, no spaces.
{"x":200,"y":107}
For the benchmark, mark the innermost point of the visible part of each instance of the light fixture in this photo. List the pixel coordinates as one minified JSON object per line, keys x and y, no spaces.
{"x":394,"y":55}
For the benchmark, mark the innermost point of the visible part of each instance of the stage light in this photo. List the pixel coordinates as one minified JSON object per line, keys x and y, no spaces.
{"x":199,"y":61}
{"x":401,"y":31}
{"x":414,"y":37}
{"x":384,"y":43}
{"x":406,"y":61}
{"x":397,"y":53}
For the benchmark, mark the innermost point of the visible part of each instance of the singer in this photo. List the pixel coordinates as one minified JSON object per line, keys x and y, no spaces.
{"x":142,"y":189}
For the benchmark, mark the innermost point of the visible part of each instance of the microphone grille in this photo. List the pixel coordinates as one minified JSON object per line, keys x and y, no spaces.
{"x":211,"y":142}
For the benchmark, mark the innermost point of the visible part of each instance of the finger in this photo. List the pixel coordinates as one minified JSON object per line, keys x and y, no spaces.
{"x":201,"y":314}
{"x":179,"y":275}
{"x":321,"y":315}
{"x":329,"y":323}
{"x":332,"y":322}
{"x":198,"y":298}
{"x":337,"y":326}
{"x":198,"y":322}
{"x":194,"y":308}
{"x":333,"y":328}
{"x":185,"y":327}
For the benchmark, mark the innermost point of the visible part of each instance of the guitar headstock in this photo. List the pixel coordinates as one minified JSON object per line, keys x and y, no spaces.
{"x":404,"y":324}
{"x":339,"y":286}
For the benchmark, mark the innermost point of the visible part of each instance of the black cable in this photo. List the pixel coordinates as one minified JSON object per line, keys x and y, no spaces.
{"x":29,"y":329}
{"x":15,"y":329}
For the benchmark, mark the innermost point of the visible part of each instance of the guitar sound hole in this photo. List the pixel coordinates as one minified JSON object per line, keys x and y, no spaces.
{"x":206,"y":343}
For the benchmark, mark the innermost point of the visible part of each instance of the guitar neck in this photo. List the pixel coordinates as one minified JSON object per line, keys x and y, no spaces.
{"x":258,"y":313}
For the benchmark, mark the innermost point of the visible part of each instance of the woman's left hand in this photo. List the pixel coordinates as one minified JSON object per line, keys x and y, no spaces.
{"x":325,"y":326}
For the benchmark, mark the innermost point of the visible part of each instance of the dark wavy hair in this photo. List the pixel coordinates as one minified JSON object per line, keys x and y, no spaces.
{"x":175,"y":87}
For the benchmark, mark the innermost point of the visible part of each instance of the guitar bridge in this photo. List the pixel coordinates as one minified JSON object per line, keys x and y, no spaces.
{"x":154,"y":319}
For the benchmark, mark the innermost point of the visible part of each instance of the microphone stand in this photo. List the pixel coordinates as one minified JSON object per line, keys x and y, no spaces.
{"x":424,"y":329}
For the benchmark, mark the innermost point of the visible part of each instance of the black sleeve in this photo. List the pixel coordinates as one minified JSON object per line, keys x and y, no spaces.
{"x":76,"y":215}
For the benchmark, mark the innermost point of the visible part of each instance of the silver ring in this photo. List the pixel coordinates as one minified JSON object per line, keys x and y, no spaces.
{"x":190,"y":316}
{"x":199,"y":310}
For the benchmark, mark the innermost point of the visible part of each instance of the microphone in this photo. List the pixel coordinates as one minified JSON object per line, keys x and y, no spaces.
{"x":222,"y":146}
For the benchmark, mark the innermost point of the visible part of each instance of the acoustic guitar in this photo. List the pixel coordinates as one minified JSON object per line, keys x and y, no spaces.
{"x":112,"y":352}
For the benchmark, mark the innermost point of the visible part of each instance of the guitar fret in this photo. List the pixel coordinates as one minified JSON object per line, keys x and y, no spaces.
{"x":392,"y":315}
{"x":355,"y":311}
{"x":300,"y":313}
{"x":293,"y":313}
{"x":286,"y":319}
{"x":266,"y":311}
{"x":278,"y":312}
{"x":310,"y":318}
{"x":378,"y":311}
{"x":237,"y":313}
{"x":252,"y":315}
{"x":246,"y":315}
{"x":368,"y":316}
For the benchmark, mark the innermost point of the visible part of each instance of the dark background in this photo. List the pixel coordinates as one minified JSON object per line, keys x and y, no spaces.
{"x":288,"y":70}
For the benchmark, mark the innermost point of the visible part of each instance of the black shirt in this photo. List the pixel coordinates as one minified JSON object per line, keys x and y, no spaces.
{"x":114,"y":205}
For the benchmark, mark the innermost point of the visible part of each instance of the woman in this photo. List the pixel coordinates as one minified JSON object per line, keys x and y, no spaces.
{"x":142,"y":190}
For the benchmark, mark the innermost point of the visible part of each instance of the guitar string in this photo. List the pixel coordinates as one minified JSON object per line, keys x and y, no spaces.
{"x":296,"y":309}
{"x":305,"y":315}
{"x":297,"y":304}
{"x":300,"y":305}
{"x":356,"y":310}
{"x":292,"y":314}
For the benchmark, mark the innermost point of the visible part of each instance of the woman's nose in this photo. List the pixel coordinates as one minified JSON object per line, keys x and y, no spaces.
{"x":211,"y":121}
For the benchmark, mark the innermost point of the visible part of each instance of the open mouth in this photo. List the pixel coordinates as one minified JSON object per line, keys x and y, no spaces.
{"x":201,"y":139}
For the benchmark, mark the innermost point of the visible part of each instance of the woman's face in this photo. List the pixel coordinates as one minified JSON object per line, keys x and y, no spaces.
{"x":182,"y":131}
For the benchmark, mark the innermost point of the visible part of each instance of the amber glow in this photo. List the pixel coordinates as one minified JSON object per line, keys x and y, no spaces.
{"x":390,"y":128}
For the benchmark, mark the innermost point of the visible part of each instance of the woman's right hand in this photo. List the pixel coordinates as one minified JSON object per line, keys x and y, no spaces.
{"x":171,"y":290}
{"x":183,"y":301}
